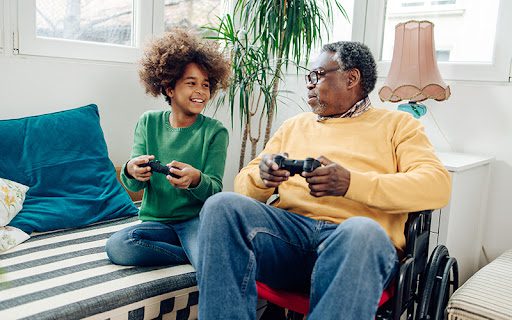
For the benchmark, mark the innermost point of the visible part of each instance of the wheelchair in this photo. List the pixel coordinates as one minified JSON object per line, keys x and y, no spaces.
{"x":420,"y":290}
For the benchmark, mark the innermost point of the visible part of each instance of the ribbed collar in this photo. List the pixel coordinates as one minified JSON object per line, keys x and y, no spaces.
{"x":357,"y":109}
{"x":199,"y":121}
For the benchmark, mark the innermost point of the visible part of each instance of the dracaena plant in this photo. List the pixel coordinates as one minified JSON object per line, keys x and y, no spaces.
{"x":252,"y":80}
{"x":267,"y":37}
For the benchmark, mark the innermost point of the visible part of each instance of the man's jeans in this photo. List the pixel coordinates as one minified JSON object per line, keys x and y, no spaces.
{"x":347,"y":266}
{"x":155,"y":243}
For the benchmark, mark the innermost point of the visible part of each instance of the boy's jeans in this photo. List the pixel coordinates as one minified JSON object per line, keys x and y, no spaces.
{"x":154,"y":243}
{"x":241,"y":240}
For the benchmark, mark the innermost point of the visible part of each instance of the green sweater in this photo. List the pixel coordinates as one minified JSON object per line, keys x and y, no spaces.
{"x":203,"y":145}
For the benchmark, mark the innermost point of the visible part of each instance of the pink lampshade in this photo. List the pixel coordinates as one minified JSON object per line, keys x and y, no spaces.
{"x":413,"y":74}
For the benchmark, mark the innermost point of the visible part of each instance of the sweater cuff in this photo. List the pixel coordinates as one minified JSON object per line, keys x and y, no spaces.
{"x":201,"y":190}
{"x":125,"y":171}
{"x":259,"y":182}
{"x":129,"y":182}
{"x":358,"y":187}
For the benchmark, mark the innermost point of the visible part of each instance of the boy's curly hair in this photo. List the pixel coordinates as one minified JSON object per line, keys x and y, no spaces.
{"x":165,"y":59}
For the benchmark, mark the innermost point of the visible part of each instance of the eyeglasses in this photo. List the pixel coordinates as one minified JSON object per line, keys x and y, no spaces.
{"x":314,"y":75}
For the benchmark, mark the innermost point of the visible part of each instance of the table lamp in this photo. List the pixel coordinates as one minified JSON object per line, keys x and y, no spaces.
{"x":413,"y":74}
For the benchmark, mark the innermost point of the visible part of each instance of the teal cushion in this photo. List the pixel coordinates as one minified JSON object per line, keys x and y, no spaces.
{"x":63,"y":158}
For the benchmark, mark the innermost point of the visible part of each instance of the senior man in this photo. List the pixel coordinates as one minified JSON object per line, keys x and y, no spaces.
{"x":336,"y":232}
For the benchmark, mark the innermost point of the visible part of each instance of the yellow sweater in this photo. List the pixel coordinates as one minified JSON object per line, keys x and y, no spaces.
{"x":393,"y":169}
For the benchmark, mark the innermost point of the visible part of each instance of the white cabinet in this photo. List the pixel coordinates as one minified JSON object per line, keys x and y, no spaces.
{"x":459,"y":225}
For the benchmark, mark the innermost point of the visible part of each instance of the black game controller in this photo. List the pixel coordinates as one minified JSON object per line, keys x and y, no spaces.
{"x":297,"y":166}
{"x":157,"y":166}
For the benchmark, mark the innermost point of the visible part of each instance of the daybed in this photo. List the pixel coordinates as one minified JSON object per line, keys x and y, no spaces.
{"x":72,"y":205}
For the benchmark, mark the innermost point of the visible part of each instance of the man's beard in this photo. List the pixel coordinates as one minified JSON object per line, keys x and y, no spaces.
{"x":318,"y":108}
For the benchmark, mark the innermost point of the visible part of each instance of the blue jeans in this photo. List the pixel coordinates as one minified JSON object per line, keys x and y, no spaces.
{"x":345,"y":266}
{"x":154,"y":243}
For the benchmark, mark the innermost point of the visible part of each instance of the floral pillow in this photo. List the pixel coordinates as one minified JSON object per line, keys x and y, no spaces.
{"x":11,"y":237}
{"x":12,"y":195}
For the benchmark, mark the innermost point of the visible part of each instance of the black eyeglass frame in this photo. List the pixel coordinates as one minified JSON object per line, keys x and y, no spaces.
{"x":314,"y":75}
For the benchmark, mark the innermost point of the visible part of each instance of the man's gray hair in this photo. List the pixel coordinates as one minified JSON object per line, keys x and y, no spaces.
{"x":355,"y":55}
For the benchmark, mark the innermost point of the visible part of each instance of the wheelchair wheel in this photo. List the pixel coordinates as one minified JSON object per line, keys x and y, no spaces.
{"x":441,"y":277}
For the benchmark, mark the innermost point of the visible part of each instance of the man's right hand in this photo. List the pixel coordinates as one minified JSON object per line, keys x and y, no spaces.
{"x":139,"y":173}
{"x":269,"y":171}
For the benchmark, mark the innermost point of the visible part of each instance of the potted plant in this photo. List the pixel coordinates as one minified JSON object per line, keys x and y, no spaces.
{"x":268,"y":35}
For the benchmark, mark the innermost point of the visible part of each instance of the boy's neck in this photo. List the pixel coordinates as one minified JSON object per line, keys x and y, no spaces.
{"x":181,"y":120}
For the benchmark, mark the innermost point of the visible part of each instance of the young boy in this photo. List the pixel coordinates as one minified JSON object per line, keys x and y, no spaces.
{"x":187,"y":71}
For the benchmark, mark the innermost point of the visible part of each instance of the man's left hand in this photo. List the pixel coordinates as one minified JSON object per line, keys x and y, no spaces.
{"x":331,"y":179}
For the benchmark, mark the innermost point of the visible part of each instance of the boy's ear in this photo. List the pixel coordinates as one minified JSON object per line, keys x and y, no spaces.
{"x":170,"y":92}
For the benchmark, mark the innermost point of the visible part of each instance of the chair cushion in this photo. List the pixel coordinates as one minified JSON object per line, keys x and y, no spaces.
{"x":299,"y":302}
{"x":63,"y":158}
{"x":487,"y":294}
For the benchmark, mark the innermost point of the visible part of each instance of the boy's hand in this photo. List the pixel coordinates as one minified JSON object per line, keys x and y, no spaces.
{"x":189,"y":177}
{"x":139,"y":173}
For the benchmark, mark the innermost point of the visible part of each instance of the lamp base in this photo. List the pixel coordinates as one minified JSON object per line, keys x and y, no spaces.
{"x":414,"y":108}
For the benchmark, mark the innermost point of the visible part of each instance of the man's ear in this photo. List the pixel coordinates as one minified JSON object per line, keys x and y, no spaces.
{"x":354,"y":78}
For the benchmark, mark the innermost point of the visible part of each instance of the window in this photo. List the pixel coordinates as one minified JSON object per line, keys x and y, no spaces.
{"x":188,"y":14}
{"x":468,"y":28}
{"x":191,"y":14}
{"x":470,"y":35}
{"x":341,"y":28}
{"x":111,"y":30}
{"x":95,"y":21}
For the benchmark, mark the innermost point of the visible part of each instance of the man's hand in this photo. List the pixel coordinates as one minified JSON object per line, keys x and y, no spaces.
{"x":189,"y":177}
{"x":269,"y":171}
{"x":331,"y":179}
{"x":139,"y":173}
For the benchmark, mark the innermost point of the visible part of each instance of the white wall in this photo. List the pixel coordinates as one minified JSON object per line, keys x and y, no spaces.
{"x":477,"y":119}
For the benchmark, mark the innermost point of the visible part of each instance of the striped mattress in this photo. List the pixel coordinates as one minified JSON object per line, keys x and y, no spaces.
{"x":67,"y":275}
{"x":487,"y":294}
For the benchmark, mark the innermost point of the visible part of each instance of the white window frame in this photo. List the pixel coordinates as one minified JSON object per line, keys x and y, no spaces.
{"x":2,"y":26}
{"x":158,"y":17}
{"x":373,"y":14}
{"x":30,"y":44}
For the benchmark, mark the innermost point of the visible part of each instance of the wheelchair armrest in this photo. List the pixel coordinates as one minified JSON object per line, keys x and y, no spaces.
{"x":404,"y":283}
{"x":417,"y":235}
{"x":417,"y":241}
